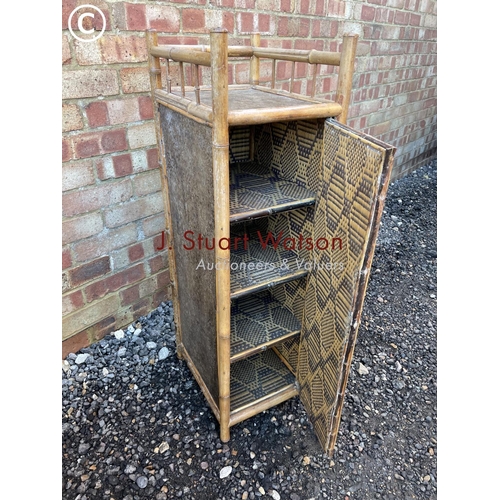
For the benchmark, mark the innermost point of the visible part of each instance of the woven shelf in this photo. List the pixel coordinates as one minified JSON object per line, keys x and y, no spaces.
{"x":258,"y":322}
{"x":255,"y":192}
{"x":257,"y":268}
{"x":258,"y":380}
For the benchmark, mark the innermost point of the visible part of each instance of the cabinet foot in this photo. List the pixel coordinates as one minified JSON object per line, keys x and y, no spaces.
{"x":224,"y":433}
{"x":179,"y":352}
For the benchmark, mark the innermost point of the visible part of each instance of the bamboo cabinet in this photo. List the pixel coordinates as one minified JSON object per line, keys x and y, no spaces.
{"x":272,"y":208}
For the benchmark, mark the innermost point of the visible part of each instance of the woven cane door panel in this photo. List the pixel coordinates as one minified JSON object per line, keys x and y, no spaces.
{"x":345,"y":206}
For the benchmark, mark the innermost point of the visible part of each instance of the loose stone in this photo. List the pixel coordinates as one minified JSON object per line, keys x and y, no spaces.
{"x":225,"y":471}
{"x":142,"y":482}
{"x":119,"y":334}
{"x":81,"y":358}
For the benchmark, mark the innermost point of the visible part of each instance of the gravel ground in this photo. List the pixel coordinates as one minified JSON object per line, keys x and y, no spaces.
{"x":136,"y":426}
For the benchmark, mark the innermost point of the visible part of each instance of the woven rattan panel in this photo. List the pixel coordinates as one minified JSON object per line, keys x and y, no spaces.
{"x":293,"y":150}
{"x":259,"y":320}
{"x":256,"y":377}
{"x":344,"y":209}
{"x":292,"y":296}
{"x":239,"y":144}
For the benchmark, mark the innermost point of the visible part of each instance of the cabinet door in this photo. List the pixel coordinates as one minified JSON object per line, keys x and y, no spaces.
{"x":355,"y":175}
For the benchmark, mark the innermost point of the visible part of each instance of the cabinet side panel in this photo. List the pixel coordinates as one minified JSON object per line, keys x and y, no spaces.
{"x":353,"y":180}
{"x":188,"y":151}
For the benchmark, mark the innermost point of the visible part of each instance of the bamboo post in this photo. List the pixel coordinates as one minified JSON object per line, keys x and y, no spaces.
{"x":255,"y":61}
{"x":346,"y":71}
{"x":154,"y":62}
{"x":155,"y":81}
{"x":220,"y":148}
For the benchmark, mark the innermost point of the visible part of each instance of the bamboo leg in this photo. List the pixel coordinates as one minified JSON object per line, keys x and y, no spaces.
{"x":220,"y":148}
{"x":346,"y":71}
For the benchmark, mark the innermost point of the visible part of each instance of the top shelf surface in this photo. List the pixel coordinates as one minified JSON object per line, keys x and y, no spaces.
{"x":241,"y":99}
{"x":252,"y":105}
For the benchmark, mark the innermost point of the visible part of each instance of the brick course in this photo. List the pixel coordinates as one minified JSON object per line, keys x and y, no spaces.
{"x":112,"y":204}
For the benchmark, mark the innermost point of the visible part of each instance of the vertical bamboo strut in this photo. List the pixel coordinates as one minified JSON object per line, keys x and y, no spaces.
{"x":347,"y":58}
{"x":183,"y":81}
{"x":155,"y":81}
{"x":169,"y":78}
{"x":196,"y":77}
{"x":255,"y":61}
{"x":220,"y":148}
{"x":273,"y":75}
{"x":315,"y":72}
{"x":254,"y":80}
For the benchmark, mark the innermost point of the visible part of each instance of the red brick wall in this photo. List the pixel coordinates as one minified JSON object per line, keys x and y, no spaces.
{"x":112,"y":202}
